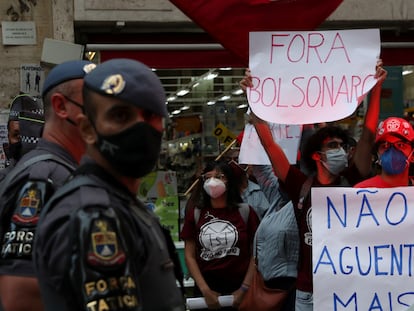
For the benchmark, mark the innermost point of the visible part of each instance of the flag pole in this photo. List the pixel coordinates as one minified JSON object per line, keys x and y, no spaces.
{"x":216,"y":159}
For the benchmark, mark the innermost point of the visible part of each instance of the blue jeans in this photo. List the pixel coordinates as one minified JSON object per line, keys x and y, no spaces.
{"x":304,"y":301}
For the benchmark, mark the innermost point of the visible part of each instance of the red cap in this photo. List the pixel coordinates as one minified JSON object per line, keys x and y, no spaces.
{"x":394,"y":126}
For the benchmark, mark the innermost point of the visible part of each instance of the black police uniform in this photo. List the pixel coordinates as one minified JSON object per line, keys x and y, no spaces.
{"x":21,"y":201}
{"x":99,"y":248}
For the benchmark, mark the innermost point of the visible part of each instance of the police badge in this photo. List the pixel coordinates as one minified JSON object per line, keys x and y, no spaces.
{"x":105,"y":249}
{"x":29,"y":203}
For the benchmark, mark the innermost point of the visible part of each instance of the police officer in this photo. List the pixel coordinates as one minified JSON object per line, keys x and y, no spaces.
{"x":30,"y":183}
{"x":23,"y":127}
{"x":98,"y":247}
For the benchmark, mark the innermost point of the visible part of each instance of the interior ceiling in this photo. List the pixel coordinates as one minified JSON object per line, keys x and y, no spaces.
{"x":204,"y":86}
{"x":173,"y":80}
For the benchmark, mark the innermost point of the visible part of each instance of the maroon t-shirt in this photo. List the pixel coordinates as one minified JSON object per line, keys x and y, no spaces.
{"x":292,"y":186}
{"x":223,"y":244}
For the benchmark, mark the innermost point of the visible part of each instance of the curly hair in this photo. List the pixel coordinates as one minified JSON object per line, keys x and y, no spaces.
{"x":315,"y":142}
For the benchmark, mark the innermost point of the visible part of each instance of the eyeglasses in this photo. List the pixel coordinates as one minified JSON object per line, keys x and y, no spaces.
{"x":335,"y":145}
{"x":218,"y":176}
{"x":400,"y":145}
{"x":72,"y":101}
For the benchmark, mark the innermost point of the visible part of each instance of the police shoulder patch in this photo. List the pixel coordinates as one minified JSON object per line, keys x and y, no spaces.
{"x":29,"y":202}
{"x":105,"y":249}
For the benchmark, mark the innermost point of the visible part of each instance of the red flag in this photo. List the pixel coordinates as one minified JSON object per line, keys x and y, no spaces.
{"x":240,"y":138}
{"x":230,"y":21}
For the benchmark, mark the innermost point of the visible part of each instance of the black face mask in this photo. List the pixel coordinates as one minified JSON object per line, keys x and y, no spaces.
{"x":13,"y":151}
{"x":134,"y":151}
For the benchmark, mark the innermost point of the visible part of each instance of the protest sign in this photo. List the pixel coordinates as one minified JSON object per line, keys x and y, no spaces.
{"x":311,"y":77}
{"x":363,"y":248}
{"x":252,"y":151}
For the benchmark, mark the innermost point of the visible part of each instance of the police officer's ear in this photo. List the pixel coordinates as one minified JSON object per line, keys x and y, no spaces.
{"x":87,"y":130}
{"x":58,"y":104}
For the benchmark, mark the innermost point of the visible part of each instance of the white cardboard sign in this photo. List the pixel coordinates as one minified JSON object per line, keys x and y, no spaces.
{"x":252,"y":151}
{"x":311,"y":77}
{"x":363,"y":248}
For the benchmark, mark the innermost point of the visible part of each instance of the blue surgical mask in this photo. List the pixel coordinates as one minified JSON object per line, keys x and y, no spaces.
{"x":336,"y":160}
{"x":393,"y":161}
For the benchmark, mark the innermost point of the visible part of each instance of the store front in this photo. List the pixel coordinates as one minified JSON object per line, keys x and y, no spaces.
{"x":184,"y":61}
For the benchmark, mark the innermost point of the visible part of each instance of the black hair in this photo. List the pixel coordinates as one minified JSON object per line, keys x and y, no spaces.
{"x":315,"y":142}
{"x":233,"y":193}
{"x":351,"y":142}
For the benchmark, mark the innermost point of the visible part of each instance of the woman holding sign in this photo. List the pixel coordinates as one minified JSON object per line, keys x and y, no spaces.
{"x":327,"y":160}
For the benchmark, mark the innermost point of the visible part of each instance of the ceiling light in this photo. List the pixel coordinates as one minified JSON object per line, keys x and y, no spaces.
{"x":241,"y":106}
{"x":407,"y":72}
{"x":183,"y":92}
{"x":185,"y":107}
{"x":120,"y":24}
{"x":210,"y":76}
{"x":237,"y":92}
{"x":196,"y":84}
{"x":225,"y":97}
{"x":176,"y":111}
{"x":225,"y":68}
{"x":171,"y":98}
{"x":211,"y":102}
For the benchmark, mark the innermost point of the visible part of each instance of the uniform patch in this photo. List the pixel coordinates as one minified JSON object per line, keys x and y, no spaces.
{"x":113,"y":84}
{"x":29,"y":204}
{"x":105,"y":250}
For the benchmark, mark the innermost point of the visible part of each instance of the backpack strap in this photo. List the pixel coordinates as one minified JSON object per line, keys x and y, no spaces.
{"x":67,"y":188}
{"x":10,"y":178}
{"x":304,"y":191}
{"x":196,"y":214}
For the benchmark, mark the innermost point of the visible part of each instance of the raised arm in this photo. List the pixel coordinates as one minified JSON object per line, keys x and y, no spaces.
{"x":362,"y":156}
{"x":278,"y":159}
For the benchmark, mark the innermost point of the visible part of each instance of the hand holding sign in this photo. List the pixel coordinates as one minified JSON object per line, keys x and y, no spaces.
{"x":310,"y":77}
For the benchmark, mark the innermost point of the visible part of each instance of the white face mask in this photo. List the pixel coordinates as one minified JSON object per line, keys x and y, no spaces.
{"x":214,"y":187}
{"x":336,"y":160}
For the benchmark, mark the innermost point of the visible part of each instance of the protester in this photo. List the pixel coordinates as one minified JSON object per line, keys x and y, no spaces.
{"x":250,"y":192}
{"x":98,"y":247}
{"x":218,"y":235}
{"x":394,"y":146}
{"x":277,"y":238}
{"x":327,"y":161}
{"x":28,"y":186}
